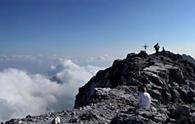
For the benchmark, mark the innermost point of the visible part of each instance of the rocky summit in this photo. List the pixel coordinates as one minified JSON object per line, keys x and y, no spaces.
{"x":111,"y":95}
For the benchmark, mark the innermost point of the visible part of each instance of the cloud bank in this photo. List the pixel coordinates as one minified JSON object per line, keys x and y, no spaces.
{"x":40,"y":63}
{"x":23,"y":93}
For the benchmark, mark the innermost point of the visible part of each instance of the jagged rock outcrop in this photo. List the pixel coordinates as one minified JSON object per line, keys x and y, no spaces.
{"x":111,"y":95}
{"x":166,"y":74}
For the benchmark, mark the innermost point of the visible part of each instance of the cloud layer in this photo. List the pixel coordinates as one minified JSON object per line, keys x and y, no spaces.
{"x":23,"y":93}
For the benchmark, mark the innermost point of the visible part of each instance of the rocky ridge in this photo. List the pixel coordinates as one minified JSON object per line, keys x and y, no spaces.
{"x":111,"y":95}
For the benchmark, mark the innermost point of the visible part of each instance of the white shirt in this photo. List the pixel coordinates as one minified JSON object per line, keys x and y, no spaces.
{"x":144,"y":100}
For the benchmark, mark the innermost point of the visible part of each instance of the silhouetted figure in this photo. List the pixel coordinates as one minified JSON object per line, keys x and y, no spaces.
{"x":157,"y":47}
{"x":163,"y":49}
{"x":144,"y":98}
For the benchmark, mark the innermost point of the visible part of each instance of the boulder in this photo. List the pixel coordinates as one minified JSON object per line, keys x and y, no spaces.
{"x":181,"y":114}
{"x":127,"y":119}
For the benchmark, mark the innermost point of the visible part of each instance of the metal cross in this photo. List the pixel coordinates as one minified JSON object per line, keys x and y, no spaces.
{"x":145,"y":47}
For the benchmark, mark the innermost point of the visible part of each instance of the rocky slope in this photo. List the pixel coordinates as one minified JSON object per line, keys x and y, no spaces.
{"x":189,"y":58}
{"x":111,"y":95}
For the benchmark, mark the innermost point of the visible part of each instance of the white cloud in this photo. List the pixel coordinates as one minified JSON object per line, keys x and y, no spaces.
{"x":23,"y":93}
{"x":102,"y":61}
{"x":74,"y":76}
{"x":41,"y":63}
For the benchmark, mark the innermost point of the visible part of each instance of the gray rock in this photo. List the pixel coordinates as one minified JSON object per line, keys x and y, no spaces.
{"x":111,"y":95}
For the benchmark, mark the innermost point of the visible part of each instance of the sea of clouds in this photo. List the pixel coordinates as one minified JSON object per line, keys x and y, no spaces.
{"x":25,"y":91}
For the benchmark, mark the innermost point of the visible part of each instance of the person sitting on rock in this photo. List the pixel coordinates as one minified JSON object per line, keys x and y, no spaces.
{"x":156,"y":47}
{"x":144,"y":99}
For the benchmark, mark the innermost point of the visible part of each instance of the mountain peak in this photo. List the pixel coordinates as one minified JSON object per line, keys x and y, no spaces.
{"x":160,"y":69}
{"x":111,"y":95}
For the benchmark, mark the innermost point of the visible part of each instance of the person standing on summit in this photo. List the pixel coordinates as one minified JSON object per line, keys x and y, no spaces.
{"x":157,"y":47}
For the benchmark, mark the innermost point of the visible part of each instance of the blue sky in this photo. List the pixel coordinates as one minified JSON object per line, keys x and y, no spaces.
{"x":95,"y":27}
{"x":74,"y":39}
